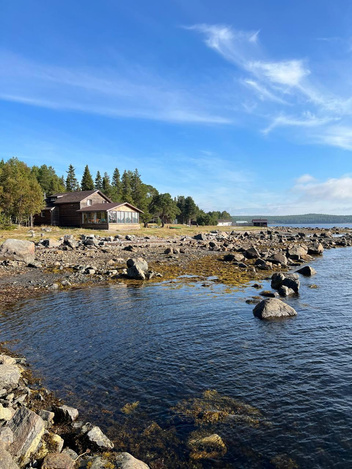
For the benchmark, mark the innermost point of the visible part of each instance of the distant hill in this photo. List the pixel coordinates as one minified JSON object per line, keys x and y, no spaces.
{"x":309,"y":219}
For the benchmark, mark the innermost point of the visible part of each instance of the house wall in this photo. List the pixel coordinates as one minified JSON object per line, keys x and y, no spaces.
{"x":95,"y":198}
{"x":69,"y":215}
{"x":38,"y":219}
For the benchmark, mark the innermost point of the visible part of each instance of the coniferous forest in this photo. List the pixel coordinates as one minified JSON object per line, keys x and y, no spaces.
{"x":23,"y":190}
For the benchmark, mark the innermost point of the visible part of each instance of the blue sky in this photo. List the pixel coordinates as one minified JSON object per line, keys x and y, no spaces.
{"x":244,"y":105}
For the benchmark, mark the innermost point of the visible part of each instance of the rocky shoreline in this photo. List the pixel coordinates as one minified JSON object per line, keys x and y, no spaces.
{"x":36,"y":429}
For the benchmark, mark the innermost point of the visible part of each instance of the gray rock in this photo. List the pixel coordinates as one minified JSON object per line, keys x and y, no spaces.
{"x":6,"y":413}
{"x":127,"y":461}
{"x":307,"y":271}
{"x":18,"y":250}
{"x":28,"y":429}
{"x":98,"y":440}
{"x":6,"y":461}
{"x":9,"y":376}
{"x":285,"y":291}
{"x":297,"y":251}
{"x":65,"y":414}
{"x":292,"y":281}
{"x":137,"y":268}
{"x":278,"y":259}
{"x":276,"y":280}
{"x":48,"y":417}
{"x":273,"y":308}
{"x":316,"y":249}
{"x":251,"y":253}
{"x":58,"y":461}
{"x":6,"y":436}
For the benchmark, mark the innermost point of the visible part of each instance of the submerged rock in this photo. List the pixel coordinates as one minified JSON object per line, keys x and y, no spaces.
{"x":207,"y":447}
{"x":273,"y":308}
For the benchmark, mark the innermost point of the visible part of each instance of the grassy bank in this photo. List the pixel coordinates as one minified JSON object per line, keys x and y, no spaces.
{"x":36,"y":233}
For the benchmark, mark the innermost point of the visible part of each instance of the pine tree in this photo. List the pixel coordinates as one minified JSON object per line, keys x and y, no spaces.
{"x":72,"y":184}
{"x":87,"y":183}
{"x":98,"y":183}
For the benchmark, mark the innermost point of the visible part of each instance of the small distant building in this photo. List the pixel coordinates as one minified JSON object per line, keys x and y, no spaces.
{"x":88,"y":209}
{"x":241,"y":223}
{"x":224,"y":222}
{"x":260,"y":222}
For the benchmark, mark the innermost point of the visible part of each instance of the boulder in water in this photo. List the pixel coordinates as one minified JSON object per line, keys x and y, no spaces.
{"x":272,"y":308}
{"x":307,"y":271}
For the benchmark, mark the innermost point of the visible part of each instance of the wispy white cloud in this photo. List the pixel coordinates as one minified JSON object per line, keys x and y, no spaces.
{"x":277,"y":84}
{"x":131,"y":93}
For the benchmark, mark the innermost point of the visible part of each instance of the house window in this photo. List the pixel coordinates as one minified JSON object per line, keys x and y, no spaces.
{"x":89,"y":202}
{"x":123,"y":217}
{"x":95,"y":218}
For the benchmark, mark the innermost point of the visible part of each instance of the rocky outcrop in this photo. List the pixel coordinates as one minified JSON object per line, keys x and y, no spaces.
{"x":18,"y":250}
{"x":288,"y":280}
{"x":273,"y":308}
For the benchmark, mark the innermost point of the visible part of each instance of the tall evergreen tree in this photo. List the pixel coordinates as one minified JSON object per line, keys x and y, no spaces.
{"x":72,"y":184}
{"x":98,"y":183}
{"x":87,"y":183}
{"x":116,"y":186}
{"x":126,"y":191}
{"x":106,"y":186}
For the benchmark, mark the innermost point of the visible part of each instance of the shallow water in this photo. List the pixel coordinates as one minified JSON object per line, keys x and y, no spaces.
{"x":161,"y":344}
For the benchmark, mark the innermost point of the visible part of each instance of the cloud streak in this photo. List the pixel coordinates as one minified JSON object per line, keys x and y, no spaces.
{"x":279,"y":85}
{"x":132,"y":93}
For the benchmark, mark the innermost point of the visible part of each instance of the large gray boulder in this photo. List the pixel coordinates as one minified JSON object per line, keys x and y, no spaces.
{"x":316,"y":249}
{"x":297,"y":251}
{"x":272,"y":308}
{"x":18,"y":250}
{"x":137,"y":268}
{"x":9,"y":376}
{"x":28,"y":429}
{"x":127,"y":461}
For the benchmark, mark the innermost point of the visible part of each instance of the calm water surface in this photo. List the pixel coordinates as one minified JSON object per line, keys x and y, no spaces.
{"x":162,"y":344}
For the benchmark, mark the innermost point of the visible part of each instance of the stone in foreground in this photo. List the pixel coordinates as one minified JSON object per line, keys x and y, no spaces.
{"x":137,"y":268}
{"x":6,"y":461}
{"x":28,"y":429}
{"x":98,"y":440}
{"x":273,"y":308}
{"x":127,"y":461}
{"x":18,"y":250}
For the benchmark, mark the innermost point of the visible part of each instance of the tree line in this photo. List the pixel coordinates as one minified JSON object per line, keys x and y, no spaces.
{"x":23,"y":190}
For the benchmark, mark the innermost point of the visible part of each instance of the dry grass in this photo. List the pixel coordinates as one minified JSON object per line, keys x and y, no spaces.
{"x":38,"y":232}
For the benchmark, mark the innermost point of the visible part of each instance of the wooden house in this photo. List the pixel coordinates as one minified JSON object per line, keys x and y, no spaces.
{"x":87,"y":209}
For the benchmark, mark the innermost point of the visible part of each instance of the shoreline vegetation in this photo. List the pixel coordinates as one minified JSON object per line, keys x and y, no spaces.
{"x":35,"y":427}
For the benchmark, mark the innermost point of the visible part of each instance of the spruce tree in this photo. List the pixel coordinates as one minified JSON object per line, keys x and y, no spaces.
{"x":106,"y":185}
{"x":126,"y":192}
{"x":87,"y":183}
{"x":116,"y":186}
{"x":98,"y":183}
{"x":72,"y":184}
